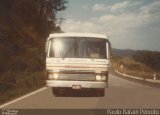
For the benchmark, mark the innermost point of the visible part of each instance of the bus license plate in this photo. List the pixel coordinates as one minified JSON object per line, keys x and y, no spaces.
{"x":76,"y":86}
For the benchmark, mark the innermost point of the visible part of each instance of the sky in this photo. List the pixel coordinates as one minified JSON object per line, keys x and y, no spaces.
{"x":130,"y":24}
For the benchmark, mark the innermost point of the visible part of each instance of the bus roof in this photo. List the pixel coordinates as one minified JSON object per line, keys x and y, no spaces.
{"x":78,"y":35}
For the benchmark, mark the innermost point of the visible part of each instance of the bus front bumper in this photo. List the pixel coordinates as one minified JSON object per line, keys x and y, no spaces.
{"x":70,"y":84}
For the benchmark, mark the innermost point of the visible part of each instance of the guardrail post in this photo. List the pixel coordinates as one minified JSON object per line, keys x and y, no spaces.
{"x":154,"y":76}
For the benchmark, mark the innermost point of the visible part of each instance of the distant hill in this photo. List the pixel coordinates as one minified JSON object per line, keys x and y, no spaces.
{"x":123,"y":52}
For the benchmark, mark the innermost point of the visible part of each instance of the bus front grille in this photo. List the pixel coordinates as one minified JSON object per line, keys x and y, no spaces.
{"x":80,"y":77}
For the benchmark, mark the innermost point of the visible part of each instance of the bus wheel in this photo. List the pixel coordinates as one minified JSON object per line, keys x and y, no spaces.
{"x":101,"y":92}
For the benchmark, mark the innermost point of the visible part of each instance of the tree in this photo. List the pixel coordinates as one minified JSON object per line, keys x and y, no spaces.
{"x":25,"y":25}
{"x":149,"y":58}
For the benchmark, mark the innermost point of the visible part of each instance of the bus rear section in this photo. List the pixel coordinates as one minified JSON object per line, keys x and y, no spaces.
{"x":77,"y":61}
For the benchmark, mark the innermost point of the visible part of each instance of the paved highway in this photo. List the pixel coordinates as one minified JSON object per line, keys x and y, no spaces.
{"x":121,"y":93}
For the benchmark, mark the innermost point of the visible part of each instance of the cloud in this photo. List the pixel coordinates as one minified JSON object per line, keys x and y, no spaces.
{"x":108,"y":22}
{"x":125,"y":26}
{"x":107,"y":18}
{"x":85,"y":7}
{"x":119,"y":6}
{"x":73,"y":25}
{"x":111,"y":21}
{"x":99,"y":7}
{"x":124,"y":6}
{"x":154,"y":5}
{"x":151,"y":8}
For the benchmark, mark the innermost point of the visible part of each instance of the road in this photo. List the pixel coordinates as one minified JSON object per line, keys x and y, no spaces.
{"x":121,"y":93}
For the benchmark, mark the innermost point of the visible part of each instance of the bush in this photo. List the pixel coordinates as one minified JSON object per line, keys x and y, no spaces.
{"x":132,"y":67}
{"x":24,"y":83}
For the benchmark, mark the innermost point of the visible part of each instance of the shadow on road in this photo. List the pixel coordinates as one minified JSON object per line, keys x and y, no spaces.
{"x":78,"y":93}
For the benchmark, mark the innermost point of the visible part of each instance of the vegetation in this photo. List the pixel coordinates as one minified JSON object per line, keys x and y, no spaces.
{"x":141,"y":64}
{"x":25,"y":25}
{"x":151,"y":59}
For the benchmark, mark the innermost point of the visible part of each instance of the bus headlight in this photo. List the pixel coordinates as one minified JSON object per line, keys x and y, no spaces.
{"x":50,"y":76}
{"x":100,"y":77}
{"x":53,"y":76}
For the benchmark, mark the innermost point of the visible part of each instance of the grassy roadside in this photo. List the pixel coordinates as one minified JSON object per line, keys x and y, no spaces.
{"x":22,"y":84}
{"x":128,"y":66}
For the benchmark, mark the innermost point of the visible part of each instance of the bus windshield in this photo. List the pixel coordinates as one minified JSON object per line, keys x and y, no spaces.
{"x":79,"y":47}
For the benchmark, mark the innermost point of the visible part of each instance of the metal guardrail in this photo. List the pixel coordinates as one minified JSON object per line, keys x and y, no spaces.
{"x":138,"y":78}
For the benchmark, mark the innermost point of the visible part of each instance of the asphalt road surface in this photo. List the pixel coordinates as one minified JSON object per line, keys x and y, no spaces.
{"x":121,"y":93}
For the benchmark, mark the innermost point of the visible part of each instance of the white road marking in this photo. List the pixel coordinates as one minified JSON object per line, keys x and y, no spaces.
{"x":25,"y":96}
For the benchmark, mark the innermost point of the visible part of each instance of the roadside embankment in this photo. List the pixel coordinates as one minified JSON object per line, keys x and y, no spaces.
{"x":136,"y":77}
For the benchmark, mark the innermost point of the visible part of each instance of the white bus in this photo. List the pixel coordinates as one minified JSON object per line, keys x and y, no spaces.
{"x":77,"y":61}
